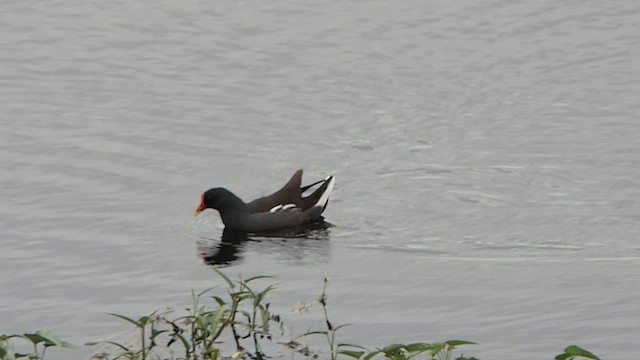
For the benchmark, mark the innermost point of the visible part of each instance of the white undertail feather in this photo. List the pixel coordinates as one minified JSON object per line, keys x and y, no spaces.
{"x":325,"y":196}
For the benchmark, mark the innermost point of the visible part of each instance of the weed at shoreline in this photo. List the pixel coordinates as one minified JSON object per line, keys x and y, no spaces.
{"x":41,"y":340}
{"x":237,"y":324}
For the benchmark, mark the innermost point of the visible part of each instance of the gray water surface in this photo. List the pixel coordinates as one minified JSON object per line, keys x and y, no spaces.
{"x":486,"y":156}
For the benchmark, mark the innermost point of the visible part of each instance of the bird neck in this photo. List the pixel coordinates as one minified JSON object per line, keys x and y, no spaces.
{"x":231,"y":202}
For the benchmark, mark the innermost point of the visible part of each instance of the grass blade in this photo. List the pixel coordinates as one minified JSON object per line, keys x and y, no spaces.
{"x":134,"y":322}
{"x":351,"y":353}
{"x":224,"y":277}
{"x":454,"y":343}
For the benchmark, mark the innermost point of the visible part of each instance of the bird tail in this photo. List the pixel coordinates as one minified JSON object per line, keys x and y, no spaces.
{"x":324,"y":199}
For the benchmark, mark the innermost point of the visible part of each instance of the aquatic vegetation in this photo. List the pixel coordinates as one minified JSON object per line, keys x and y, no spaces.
{"x":236,"y":325}
{"x":440,"y":351}
{"x":574,"y":352}
{"x":39,"y":341}
{"x":243,"y":314}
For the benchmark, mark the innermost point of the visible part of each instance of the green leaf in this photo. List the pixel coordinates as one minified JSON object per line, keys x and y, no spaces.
{"x":351,"y":345}
{"x":203,"y":292}
{"x":244,"y":313}
{"x":214,"y":320}
{"x":7,"y":351}
{"x":134,"y":322}
{"x":260,"y":296}
{"x":418,"y":347}
{"x":351,"y":353}
{"x":563,"y":356}
{"x":155,"y":333}
{"x":258,"y":277}
{"x":454,"y":343}
{"x":219,"y":300}
{"x":394,"y":351}
{"x":316,"y":332}
{"x":372,"y":354}
{"x":34,"y":338}
{"x":575,"y":350}
{"x":224,"y":277}
{"x":68,"y":345}
{"x":184,"y":341}
{"x":119,"y":345}
{"x":437,"y":347}
{"x":393,"y":348}
{"x":240,"y":295}
{"x":46,"y":337}
{"x":7,"y":337}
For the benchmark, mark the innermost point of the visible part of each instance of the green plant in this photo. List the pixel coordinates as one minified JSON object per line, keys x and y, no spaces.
{"x":256,"y":316}
{"x":573,"y":351}
{"x":330,"y":332}
{"x":147,"y":344}
{"x":439,"y":351}
{"x":244,"y":314}
{"x":40,"y":340}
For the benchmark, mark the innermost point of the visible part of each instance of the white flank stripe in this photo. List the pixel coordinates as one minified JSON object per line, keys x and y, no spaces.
{"x":282,"y":207}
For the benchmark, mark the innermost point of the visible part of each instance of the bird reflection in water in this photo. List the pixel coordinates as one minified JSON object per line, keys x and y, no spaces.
{"x":233,"y":243}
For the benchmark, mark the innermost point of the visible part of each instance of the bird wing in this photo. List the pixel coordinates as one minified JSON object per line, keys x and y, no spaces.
{"x":288,"y":194}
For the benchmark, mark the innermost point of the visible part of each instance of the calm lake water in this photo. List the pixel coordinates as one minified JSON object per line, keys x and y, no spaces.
{"x":486,"y":156}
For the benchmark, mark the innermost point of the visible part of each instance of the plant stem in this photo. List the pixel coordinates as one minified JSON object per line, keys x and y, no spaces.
{"x":144,"y":350}
{"x":331,"y":333}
